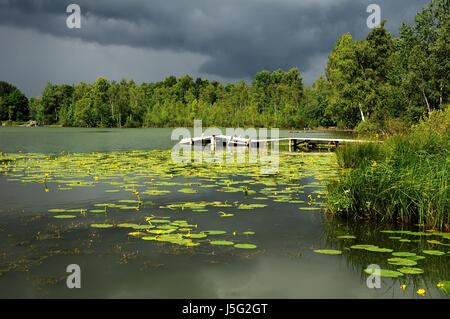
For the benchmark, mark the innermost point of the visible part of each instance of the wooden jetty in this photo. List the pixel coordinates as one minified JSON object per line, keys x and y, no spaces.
{"x":294,"y":142}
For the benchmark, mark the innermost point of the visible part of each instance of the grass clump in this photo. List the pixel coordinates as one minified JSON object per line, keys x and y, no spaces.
{"x":404,"y":179}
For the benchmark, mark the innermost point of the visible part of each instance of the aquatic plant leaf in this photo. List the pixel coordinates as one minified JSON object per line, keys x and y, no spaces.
{"x":403,"y":254}
{"x":363,"y":246}
{"x":65,"y":216}
{"x":445,"y":285}
{"x":436,"y":242}
{"x":410,"y":270}
{"x":384,"y":272}
{"x":402,"y":261}
{"x":102,"y":225}
{"x":379,"y":250}
{"x":328,"y":251}
{"x":222,"y":242}
{"x":188,"y":190}
{"x":433,"y":252}
{"x":214,"y":232}
{"x":346,"y":237}
{"x":245,"y":246}
{"x":415,"y":258}
{"x":137,"y":234}
{"x":97,"y":211}
{"x":196,"y":236}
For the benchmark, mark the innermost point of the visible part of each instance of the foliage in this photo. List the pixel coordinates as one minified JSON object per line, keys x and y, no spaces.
{"x":13,"y":103}
{"x":405,"y":178}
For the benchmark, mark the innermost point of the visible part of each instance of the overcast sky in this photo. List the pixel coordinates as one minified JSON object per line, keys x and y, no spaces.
{"x":225,"y":40}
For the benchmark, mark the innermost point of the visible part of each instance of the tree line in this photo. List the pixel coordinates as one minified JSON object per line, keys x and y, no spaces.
{"x":368,"y":84}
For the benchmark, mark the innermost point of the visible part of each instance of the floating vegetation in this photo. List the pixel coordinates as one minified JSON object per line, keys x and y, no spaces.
{"x":346,"y":237}
{"x":56,"y":210}
{"x":221,"y":242}
{"x":403,"y":254}
{"x":433,"y":252}
{"x":384,"y":272}
{"x":411,"y":271}
{"x":372,"y":248}
{"x":214,"y":232}
{"x":245,"y":246}
{"x":229,"y":197}
{"x":402,"y":261}
{"x":65,"y":216}
{"x":188,"y":190}
{"x":102,"y":225}
{"x":328,"y":251}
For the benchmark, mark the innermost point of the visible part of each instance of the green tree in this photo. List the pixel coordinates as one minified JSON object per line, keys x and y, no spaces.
{"x":13,"y":103}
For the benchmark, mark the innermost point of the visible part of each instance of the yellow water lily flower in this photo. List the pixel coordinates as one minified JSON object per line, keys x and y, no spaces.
{"x":421,"y":292}
{"x":47,"y":190}
{"x":374,"y":164}
{"x":440,"y":285}
{"x":403,"y":287}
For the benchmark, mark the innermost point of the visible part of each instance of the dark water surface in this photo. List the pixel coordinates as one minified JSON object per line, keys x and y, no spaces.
{"x":36,"y":247}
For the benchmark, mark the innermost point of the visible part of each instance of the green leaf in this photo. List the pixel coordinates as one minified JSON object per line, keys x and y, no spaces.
{"x":384,"y":273}
{"x":411,"y":271}
{"x":433,"y":252}
{"x":328,"y":251}
{"x":245,"y":246}
{"x":222,"y":242}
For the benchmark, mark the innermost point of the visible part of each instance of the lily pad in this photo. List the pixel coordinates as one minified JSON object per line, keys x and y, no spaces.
{"x":433,"y":252}
{"x":65,"y":216}
{"x":402,"y":261}
{"x":328,"y":251}
{"x":56,"y":210}
{"x":245,"y":246}
{"x":411,"y":271}
{"x":384,"y":273}
{"x":403,"y":254}
{"x":214,"y":232}
{"x":346,"y":237}
{"x":222,"y":242}
{"x":102,"y":225}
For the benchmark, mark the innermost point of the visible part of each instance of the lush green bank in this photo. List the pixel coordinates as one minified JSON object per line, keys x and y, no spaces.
{"x":404,"y":179}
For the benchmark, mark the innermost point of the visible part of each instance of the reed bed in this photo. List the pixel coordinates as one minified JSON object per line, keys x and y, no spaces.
{"x":404,"y":179}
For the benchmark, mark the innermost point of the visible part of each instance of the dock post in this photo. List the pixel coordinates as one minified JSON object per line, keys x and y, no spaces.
{"x":290,"y":146}
{"x":307,"y":146}
{"x":213,"y":143}
{"x":329,"y":146}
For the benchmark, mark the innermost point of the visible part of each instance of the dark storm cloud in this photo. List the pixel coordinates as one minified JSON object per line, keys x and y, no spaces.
{"x":239,"y":37}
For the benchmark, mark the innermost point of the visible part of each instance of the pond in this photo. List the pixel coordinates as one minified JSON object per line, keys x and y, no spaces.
{"x":139,"y":225}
